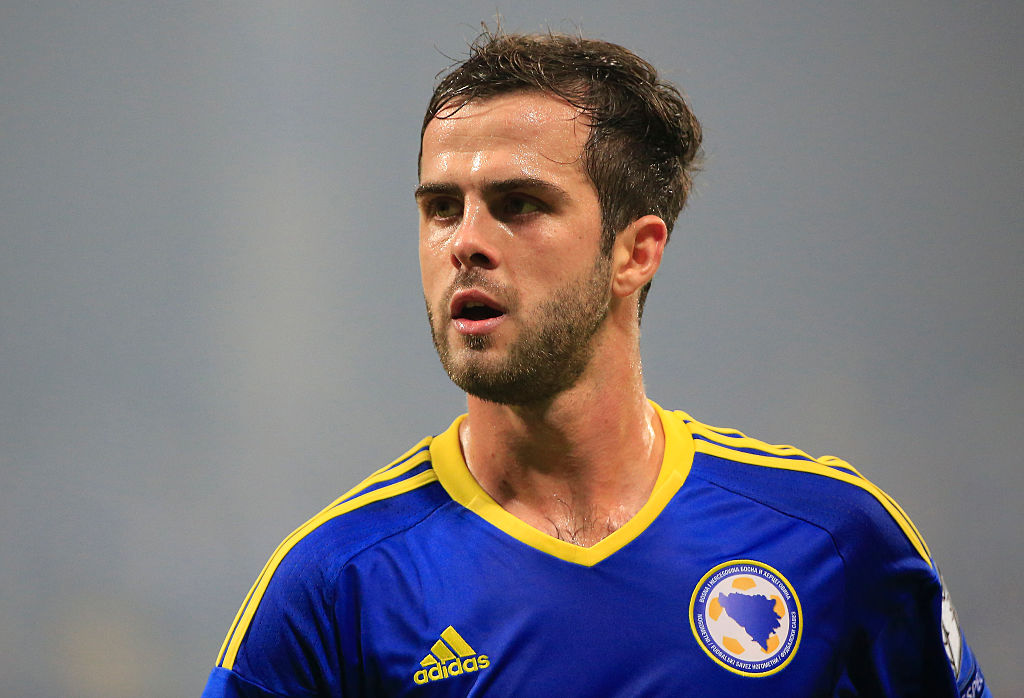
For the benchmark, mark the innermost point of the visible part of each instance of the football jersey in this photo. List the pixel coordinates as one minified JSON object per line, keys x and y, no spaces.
{"x":752,"y":569}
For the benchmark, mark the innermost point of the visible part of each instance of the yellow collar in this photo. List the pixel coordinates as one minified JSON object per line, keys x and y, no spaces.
{"x":454,"y":475}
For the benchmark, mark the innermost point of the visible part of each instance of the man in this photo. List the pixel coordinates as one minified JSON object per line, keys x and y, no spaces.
{"x":566,"y":535}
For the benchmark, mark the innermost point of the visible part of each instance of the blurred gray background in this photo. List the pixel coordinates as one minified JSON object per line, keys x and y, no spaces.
{"x":211,"y":322}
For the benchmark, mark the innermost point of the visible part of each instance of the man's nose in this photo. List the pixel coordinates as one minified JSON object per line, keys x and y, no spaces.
{"x":474,"y":242}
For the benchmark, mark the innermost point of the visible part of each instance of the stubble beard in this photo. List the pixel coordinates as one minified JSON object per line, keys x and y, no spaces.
{"x":553,"y":350}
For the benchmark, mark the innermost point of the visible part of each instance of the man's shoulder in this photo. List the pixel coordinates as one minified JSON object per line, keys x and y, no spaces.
{"x":392,"y":499}
{"x":300,"y":577}
{"x":825,"y":491}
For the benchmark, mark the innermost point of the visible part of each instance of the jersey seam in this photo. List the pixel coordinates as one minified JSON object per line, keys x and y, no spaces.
{"x":257,"y":684}
{"x":894,"y":510}
{"x":245,"y":627}
{"x":334,"y":586}
{"x":827,"y":532}
{"x":831,"y":537}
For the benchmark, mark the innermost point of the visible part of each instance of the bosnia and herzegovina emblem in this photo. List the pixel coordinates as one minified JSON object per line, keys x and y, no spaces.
{"x":747,"y":617}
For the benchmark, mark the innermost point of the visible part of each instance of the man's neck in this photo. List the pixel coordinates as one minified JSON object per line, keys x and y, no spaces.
{"x":577,"y":467}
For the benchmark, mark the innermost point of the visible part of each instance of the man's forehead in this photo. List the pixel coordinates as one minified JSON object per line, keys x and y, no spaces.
{"x":522,"y":113}
{"x":527,"y":123}
{"x":529,"y":105}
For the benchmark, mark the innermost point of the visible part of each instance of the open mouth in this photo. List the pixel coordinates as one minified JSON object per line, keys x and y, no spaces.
{"x":475,"y":310}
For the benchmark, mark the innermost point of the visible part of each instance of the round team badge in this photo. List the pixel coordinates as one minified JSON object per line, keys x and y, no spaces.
{"x":951,"y":637}
{"x":747,"y":617}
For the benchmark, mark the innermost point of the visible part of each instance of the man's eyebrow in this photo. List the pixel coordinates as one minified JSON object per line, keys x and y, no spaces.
{"x":501,"y":186}
{"x":528,"y":183}
{"x":436,"y":189}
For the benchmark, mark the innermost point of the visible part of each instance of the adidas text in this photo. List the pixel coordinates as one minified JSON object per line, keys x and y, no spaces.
{"x":439,"y":672}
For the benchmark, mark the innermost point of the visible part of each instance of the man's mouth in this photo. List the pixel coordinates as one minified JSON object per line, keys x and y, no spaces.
{"x":474,"y":312}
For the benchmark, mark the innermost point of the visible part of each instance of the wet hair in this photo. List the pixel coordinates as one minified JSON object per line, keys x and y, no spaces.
{"x":644,"y":143}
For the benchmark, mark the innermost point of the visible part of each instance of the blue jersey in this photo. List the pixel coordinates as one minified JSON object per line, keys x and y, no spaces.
{"x":752,"y":570}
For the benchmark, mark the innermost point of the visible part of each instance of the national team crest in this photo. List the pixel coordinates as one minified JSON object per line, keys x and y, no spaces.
{"x":747,"y":617}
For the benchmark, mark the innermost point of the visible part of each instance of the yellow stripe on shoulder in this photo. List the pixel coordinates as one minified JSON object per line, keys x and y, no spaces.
{"x":731,"y":438}
{"x":343,"y":505}
{"x":733,"y":445}
{"x":416,"y":455}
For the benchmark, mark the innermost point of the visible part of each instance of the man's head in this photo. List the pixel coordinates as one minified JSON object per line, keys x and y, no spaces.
{"x":550,"y":171}
{"x":643,"y":143}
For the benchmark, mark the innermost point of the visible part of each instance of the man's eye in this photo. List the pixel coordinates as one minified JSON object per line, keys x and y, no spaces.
{"x":444,"y":208}
{"x":519,"y":206}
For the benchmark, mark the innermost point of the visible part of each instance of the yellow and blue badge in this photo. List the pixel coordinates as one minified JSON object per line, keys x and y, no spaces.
{"x":747,"y":617}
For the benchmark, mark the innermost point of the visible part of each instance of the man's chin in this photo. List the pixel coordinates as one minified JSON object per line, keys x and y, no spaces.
{"x":494,"y":381}
{"x":470,"y":368}
{"x":476,"y":342}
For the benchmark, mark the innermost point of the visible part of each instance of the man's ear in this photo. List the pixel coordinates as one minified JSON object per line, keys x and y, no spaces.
{"x":637,"y":254}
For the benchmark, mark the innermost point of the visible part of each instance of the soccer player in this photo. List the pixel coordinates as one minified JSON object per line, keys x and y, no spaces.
{"x":567,"y":536}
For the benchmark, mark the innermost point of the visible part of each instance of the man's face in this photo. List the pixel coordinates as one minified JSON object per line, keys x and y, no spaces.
{"x":510,"y":228}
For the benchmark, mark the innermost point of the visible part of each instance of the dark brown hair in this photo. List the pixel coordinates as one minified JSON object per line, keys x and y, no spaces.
{"x":644,"y":142}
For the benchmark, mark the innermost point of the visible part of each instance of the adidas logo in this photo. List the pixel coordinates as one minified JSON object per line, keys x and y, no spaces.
{"x":450,"y":656}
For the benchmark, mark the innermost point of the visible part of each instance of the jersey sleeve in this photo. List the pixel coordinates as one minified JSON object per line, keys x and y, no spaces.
{"x":227,"y":684}
{"x":905,"y":637}
{"x":298,"y":632}
{"x":285,"y":638}
{"x":919,"y":649}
